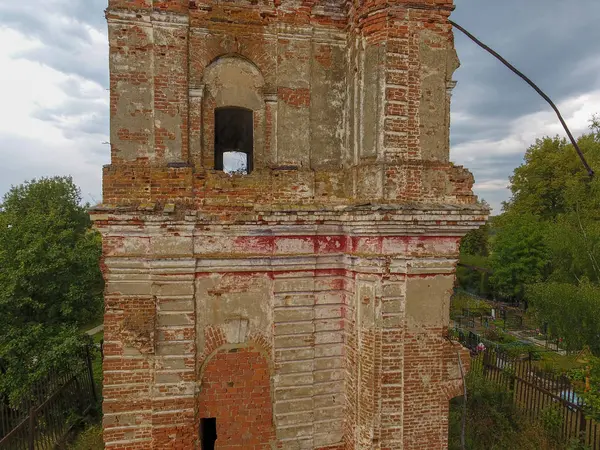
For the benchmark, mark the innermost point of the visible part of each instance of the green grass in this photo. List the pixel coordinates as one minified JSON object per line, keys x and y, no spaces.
{"x":461,"y":300}
{"x":98,"y":337}
{"x":92,"y":324}
{"x":97,"y":364}
{"x":89,"y":439}
{"x":555,"y":363}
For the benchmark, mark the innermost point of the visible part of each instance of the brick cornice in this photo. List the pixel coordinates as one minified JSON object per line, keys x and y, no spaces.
{"x":146,"y":16}
{"x":366,"y":220}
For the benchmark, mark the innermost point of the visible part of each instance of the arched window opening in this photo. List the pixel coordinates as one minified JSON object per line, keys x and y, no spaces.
{"x":234,"y":140}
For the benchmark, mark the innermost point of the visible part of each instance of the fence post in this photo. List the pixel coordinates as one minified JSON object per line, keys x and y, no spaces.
{"x":88,"y":360}
{"x":31,"y":444}
{"x":485,"y":362}
{"x":582,"y":426}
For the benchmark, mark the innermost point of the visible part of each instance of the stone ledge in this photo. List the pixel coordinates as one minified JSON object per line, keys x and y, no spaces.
{"x":408,"y":207}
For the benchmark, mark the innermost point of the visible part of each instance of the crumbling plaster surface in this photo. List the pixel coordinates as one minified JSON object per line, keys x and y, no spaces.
{"x":369,"y":282}
{"x":232,"y":80}
{"x":226,"y":297}
{"x":329,"y":267}
{"x":306,"y":117}
{"x":439,"y":61}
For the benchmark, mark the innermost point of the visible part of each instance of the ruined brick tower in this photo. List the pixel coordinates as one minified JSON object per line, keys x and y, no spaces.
{"x":301,"y":304}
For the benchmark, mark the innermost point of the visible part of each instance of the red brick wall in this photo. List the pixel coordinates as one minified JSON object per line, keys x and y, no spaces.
{"x":295,"y":97}
{"x":338,"y":331}
{"x":163,"y":5}
{"x":141,"y":150}
{"x":236,"y":389}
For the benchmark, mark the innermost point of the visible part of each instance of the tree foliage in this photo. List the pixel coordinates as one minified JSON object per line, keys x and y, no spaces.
{"x":553,"y":185}
{"x":588,"y":379}
{"x":476,"y":242}
{"x":572,"y":312}
{"x":546,"y":247}
{"x":538,"y":185}
{"x":50,"y":280}
{"x":520,"y":255}
{"x":472,"y":273}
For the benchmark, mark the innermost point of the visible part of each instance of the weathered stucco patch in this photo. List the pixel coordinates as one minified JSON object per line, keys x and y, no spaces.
{"x":438,"y":61}
{"x":311,"y":293}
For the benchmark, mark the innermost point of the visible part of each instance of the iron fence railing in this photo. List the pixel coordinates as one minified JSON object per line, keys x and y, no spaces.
{"x":535,"y":391}
{"x":56,"y":403}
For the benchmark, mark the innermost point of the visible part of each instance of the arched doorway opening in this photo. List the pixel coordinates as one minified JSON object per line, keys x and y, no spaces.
{"x":236,"y":392}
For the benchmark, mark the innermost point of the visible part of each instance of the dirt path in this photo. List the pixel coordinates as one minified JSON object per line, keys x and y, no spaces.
{"x":95,"y":330}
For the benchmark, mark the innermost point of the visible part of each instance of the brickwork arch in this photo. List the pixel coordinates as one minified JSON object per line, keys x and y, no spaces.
{"x":235,"y":388}
{"x":231,"y":80}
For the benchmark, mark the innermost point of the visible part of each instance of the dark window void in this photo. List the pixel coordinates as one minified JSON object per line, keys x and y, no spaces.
{"x":208,"y":433}
{"x":234,"y":139}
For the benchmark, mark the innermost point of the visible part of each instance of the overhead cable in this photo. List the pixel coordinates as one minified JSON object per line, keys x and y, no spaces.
{"x":589,"y":170}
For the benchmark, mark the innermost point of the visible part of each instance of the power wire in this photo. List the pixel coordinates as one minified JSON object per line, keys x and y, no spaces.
{"x":589,"y":170}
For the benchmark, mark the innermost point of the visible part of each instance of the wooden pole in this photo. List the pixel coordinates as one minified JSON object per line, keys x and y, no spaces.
{"x":32,"y":428}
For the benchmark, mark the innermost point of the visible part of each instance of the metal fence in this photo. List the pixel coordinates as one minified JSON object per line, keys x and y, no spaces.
{"x":510,"y":320}
{"x":56,"y":403}
{"x":535,"y":392}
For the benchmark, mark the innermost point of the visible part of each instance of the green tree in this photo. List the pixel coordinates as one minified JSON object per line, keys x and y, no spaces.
{"x":50,"y":280}
{"x":550,"y":228}
{"x":573,"y":241}
{"x":476,"y":242}
{"x":553,"y":186}
{"x":538,"y":185}
{"x":519,"y":256}
{"x":571,"y":312}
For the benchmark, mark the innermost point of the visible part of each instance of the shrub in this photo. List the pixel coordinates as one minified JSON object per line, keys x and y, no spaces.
{"x":461,"y":300}
{"x":90,"y":439}
{"x":495,"y":423}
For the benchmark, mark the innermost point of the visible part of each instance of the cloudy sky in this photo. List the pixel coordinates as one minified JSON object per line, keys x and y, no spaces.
{"x":54,"y":102}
